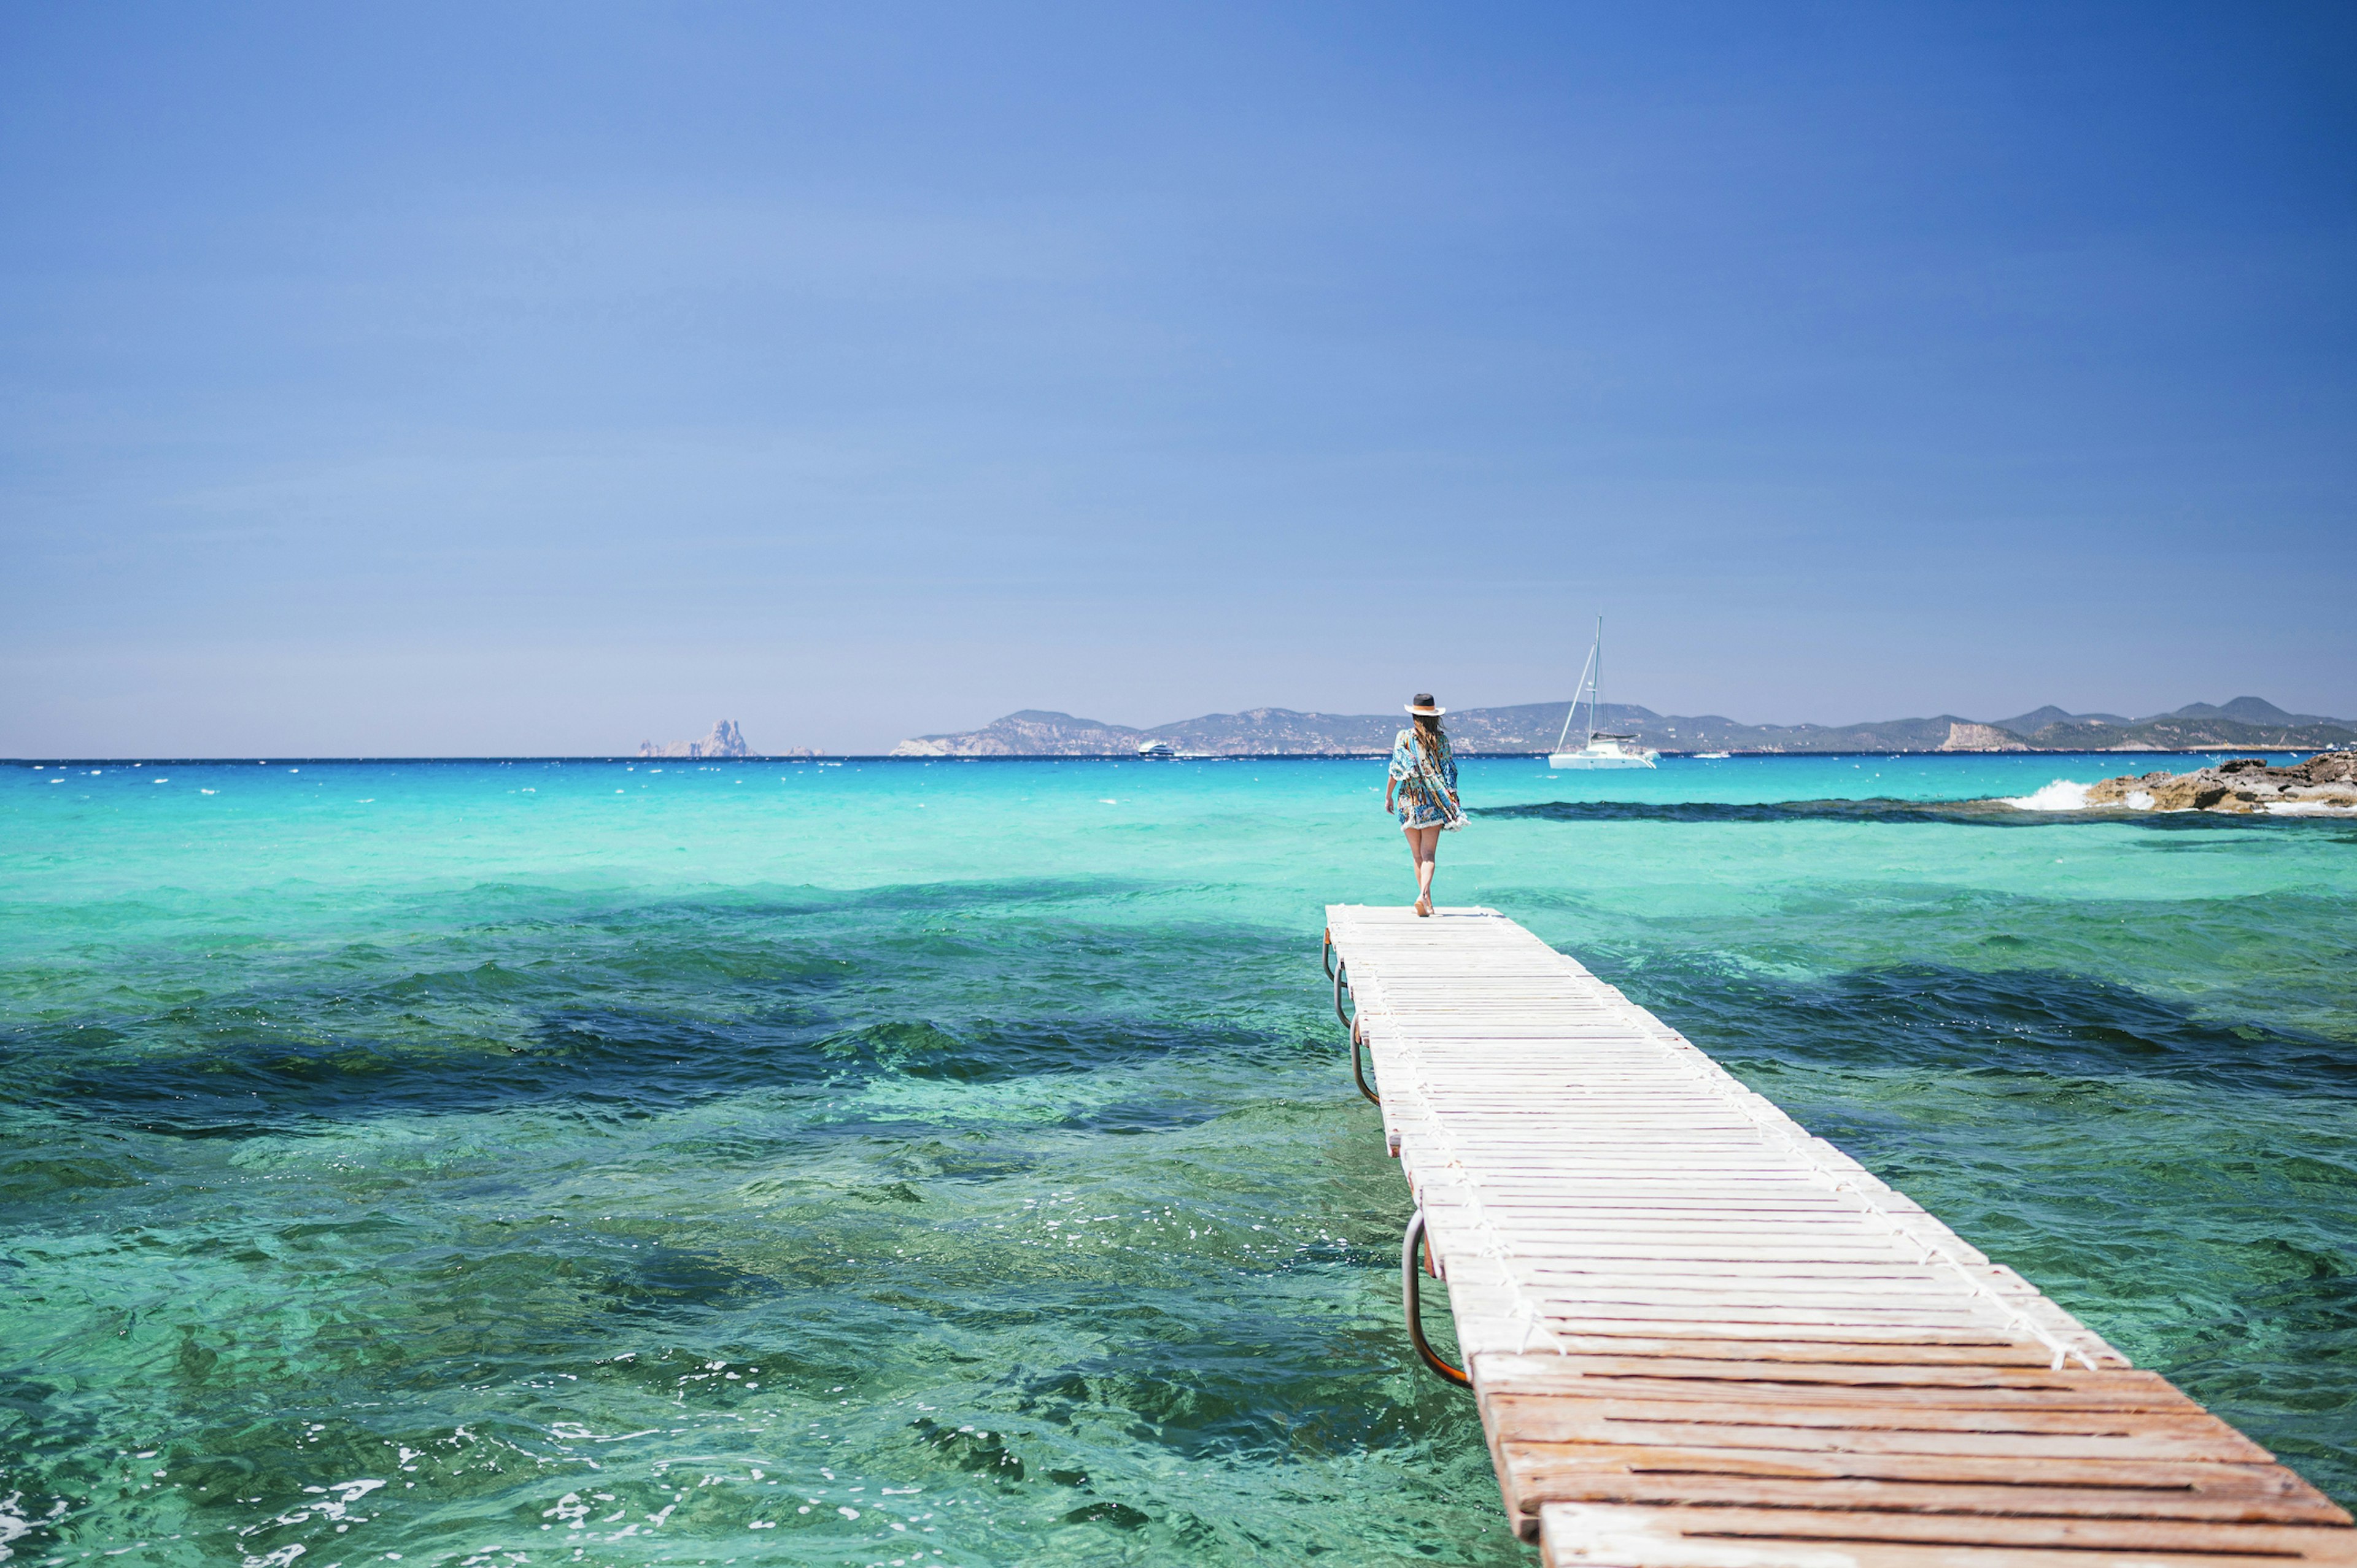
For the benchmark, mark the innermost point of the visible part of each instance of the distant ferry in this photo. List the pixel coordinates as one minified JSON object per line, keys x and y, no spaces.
{"x":1155,"y":751}
{"x":1712,"y":756}
{"x":1598,"y":748}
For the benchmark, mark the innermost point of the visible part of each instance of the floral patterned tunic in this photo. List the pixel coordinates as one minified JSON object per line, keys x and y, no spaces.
{"x":1415,"y":771}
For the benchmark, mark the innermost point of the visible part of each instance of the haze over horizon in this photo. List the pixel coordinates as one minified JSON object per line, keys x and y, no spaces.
{"x":758,"y":744}
{"x":441,"y":382}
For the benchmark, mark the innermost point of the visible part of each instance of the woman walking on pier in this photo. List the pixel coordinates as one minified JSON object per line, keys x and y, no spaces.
{"x":1423,"y":779}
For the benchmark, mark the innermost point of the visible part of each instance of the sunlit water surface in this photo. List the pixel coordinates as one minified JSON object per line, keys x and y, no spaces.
{"x":957,"y":1164}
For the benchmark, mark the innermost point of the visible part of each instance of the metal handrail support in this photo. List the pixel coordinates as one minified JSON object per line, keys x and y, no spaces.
{"x":1342,"y":978}
{"x":1412,"y":1304}
{"x":1328,"y":954}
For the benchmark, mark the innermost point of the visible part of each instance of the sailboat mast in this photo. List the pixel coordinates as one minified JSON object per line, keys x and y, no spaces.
{"x":1572,"y":712}
{"x":1596,"y":690}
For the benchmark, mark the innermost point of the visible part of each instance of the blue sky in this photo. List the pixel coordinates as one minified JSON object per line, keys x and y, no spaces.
{"x":415,"y":379}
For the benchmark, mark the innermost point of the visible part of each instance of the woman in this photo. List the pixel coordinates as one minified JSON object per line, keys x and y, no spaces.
{"x":1424,"y":778}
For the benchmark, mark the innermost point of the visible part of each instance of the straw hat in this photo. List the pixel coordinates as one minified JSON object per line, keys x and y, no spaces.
{"x":1424,"y":706}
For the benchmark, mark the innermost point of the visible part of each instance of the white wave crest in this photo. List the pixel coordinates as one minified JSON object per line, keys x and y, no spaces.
{"x":12,"y":1522}
{"x":2062,"y":795}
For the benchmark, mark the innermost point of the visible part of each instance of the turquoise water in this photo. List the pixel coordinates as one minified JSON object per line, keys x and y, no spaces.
{"x":957,"y":1164}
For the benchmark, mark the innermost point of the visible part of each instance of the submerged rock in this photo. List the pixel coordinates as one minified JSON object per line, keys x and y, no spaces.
{"x":2325,"y":782}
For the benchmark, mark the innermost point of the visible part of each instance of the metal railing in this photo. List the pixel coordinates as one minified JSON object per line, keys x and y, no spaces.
{"x":1411,"y":1303}
{"x":1341,"y":974}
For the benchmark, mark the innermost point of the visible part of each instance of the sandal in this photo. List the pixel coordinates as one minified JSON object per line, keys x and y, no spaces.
{"x":1423,"y":907}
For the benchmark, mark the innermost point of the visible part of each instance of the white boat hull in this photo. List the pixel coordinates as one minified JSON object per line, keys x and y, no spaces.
{"x":1575,"y":759}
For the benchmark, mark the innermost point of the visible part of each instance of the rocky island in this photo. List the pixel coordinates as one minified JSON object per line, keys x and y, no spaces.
{"x":726,"y":740}
{"x":2324,"y":784}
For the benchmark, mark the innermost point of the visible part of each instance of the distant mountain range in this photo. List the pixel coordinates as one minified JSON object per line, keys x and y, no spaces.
{"x":2246,"y":723}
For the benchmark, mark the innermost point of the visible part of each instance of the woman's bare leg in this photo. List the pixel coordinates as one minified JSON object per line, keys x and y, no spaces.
{"x":1421,"y":844}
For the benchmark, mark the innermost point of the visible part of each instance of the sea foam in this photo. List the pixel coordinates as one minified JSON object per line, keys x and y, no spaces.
{"x":2062,"y":795}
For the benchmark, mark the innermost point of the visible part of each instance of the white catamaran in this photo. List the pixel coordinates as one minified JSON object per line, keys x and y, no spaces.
{"x":1599,"y":750}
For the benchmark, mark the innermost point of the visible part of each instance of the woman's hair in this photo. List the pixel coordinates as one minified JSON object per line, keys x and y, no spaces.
{"x":1427,"y":732}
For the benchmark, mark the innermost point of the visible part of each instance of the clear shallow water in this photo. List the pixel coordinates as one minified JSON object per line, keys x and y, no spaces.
{"x":615,"y":1163}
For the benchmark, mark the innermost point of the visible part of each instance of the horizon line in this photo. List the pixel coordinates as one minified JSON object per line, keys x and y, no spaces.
{"x":807,"y":758}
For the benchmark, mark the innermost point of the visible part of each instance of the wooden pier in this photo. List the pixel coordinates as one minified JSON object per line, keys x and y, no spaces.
{"x":1701,"y":1337}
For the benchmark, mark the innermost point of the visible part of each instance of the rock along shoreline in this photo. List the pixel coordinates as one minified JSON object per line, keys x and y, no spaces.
{"x":2325,"y":784}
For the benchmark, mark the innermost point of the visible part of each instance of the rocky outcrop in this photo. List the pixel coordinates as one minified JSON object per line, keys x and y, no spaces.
{"x":2324,"y":783}
{"x":1965,"y":736}
{"x":726,"y":740}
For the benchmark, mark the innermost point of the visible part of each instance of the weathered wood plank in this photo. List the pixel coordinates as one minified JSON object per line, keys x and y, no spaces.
{"x":1836,"y":1525}
{"x":2099,"y":1393}
{"x":1782,"y":1355}
{"x":2266,"y":1488}
{"x":1535,"y":1374}
{"x":1536,"y":1473}
{"x":1603,"y":1536}
{"x":2194,"y":1434}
